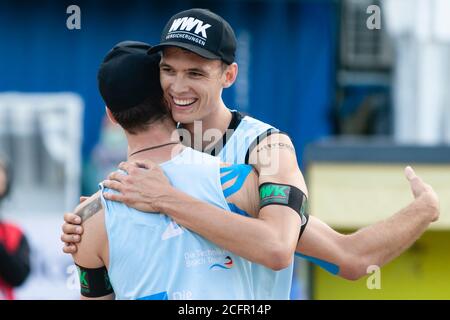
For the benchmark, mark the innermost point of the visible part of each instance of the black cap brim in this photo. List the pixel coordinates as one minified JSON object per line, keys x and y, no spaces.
{"x":195,"y":49}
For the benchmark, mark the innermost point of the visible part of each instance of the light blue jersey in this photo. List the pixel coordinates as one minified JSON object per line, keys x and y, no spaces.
{"x":268,"y":284}
{"x":235,"y":150}
{"x":151,"y":257}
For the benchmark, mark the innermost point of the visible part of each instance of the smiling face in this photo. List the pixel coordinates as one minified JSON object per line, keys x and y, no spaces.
{"x":193,"y":85}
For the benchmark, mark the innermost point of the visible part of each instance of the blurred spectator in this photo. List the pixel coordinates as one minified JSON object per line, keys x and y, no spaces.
{"x":14,"y":248}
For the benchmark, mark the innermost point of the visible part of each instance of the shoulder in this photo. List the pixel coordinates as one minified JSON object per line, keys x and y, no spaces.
{"x":276,"y":161}
{"x":255,"y":127}
{"x":89,"y":207}
{"x":250,"y":119}
{"x":257,"y":131}
{"x":93,"y":215}
{"x":276,"y":139}
{"x":275,"y":149}
{"x":90,"y":253}
{"x":190,"y":157}
{"x":92,"y":247}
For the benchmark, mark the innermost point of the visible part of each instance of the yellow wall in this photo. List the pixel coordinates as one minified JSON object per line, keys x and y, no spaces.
{"x":350,"y":196}
{"x":353,"y":195}
{"x":422,"y":272}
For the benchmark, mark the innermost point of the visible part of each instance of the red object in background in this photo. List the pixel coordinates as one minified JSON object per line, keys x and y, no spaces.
{"x":10,"y":236}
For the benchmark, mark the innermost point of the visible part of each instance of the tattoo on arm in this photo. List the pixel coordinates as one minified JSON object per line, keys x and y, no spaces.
{"x":87,"y":211}
{"x":278,"y":145}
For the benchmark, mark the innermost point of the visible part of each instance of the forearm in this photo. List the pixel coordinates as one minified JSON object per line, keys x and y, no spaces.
{"x":382,"y":242}
{"x":249,"y":238}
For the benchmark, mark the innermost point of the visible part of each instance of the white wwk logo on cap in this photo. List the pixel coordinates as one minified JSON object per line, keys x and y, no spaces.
{"x":188,"y":23}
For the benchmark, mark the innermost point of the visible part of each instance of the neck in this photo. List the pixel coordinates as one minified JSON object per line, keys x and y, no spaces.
{"x":219,"y":119}
{"x":158,"y":133}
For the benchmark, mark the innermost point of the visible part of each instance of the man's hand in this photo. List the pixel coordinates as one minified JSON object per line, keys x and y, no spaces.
{"x":423,"y":193}
{"x":142,"y":188}
{"x":72,"y":231}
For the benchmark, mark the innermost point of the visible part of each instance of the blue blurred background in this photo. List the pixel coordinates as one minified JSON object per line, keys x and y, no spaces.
{"x":286,"y":53}
{"x":312,"y":68}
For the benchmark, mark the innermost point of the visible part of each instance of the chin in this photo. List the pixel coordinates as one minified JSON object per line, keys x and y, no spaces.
{"x":182,"y":118}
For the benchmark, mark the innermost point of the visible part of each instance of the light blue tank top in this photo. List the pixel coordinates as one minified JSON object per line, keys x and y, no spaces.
{"x":235,"y":150}
{"x":151,"y":257}
{"x":268,"y":284}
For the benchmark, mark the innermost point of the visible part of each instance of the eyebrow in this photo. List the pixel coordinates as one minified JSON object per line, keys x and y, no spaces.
{"x":199,"y":70}
{"x":163,"y":64}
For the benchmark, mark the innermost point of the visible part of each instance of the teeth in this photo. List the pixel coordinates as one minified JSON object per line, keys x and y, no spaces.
{"x":183,"y":102}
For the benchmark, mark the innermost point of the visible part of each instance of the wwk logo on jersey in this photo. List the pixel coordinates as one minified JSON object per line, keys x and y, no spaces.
{"x":190,"y":29}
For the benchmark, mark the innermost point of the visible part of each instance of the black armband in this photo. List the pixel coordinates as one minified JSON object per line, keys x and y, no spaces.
{"x":305,"y":219}
{"x":285,"y":195}
{"x":94,"y":283}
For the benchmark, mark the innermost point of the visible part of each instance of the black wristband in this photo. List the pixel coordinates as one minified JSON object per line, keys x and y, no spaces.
{"x":94,"y":283}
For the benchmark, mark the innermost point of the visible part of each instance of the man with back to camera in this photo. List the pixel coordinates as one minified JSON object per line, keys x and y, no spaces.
{"x":193,"y":75}
{"x":128,"y":254}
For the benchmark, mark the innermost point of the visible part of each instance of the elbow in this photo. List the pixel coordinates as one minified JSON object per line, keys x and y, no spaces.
{"x":354,"y":261}
{"x":352,"y":276}
{"x":279,"y":258}
{"x":354,"y":269}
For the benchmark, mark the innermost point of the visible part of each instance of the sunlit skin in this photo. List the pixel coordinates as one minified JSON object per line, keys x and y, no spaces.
{"x":193,"y":87}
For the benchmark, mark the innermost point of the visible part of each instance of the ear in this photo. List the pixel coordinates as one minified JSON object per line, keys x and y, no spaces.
{"x":230,"y":75}
{"x":110,"y":115}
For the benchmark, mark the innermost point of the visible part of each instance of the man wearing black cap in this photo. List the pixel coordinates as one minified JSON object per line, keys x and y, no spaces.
{"x":129,"y":254}
{"x":198,"y":49}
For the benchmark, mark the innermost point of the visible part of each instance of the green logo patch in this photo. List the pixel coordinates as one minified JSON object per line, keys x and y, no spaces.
{"x":272,"y":193}
{"x":84,"y":284}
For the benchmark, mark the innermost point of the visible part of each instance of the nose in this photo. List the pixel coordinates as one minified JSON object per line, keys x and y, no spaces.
{"x":178,"y":85}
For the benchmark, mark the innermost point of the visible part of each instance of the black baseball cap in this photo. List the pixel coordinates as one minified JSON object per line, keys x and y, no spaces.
{"x":128,"y":75}
{"x":202,"y":32}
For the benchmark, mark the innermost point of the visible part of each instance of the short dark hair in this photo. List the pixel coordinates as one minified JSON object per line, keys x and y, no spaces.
{"x":138,"y":118}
